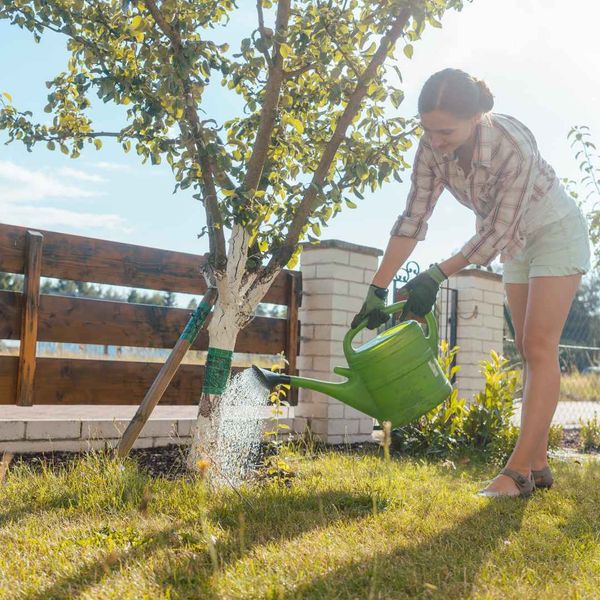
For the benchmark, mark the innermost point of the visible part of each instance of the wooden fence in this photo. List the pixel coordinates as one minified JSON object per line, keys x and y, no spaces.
{"x":31,"y":317}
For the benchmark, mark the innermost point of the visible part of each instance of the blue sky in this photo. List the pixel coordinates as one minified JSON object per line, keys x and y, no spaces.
{"x":539,"y":57}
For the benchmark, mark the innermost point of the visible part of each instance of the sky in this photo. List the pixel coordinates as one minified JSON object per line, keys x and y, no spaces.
{"x":539,"y":57}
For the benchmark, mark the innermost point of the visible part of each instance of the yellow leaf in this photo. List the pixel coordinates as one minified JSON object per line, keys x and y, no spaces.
{"x":263,"y":246}
{"x":7,"y":96}
{"x":98,"y":143}
{"x":296,"y":124}
{"x":285,"y":50}
{"x":136,"y":22}
{"x":408,"y":50}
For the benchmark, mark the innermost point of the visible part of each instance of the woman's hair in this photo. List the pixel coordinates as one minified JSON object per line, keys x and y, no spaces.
{"x":457,"y":93}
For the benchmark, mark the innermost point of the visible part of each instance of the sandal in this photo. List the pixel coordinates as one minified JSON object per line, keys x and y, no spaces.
{"x":543,"y":478}
{"x":525,"y":485}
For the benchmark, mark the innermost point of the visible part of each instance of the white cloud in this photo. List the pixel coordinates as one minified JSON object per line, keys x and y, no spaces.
{"x":111,"y":166}
{"x":24,"y":191}
{"x":20,"y":184}
{"x":47,"y":217}
{"x":81,"y":175}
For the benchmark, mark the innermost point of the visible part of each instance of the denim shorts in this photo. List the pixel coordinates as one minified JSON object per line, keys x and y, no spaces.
{"x":554,"y":250}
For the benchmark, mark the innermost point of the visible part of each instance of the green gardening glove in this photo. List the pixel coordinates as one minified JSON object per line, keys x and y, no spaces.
{"x":372,"y":309}
{"x":422,"y":291}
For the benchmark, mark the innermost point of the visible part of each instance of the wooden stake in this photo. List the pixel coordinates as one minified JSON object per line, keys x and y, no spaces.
{"x":29,"y":321}
{"x":165,"y":375}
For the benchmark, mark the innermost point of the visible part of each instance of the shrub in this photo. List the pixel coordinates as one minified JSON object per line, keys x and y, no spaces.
{"x":484,"y":425}
{"x":589,"y":435}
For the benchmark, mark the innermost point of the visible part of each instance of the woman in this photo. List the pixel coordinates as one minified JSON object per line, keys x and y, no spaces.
{"x":490,"y":163}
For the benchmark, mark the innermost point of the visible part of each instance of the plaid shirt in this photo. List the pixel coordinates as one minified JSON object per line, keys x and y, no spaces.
{"x":508,"y":178}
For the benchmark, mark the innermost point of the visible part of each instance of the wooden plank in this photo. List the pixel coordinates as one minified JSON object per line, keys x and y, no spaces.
{"x":9,"y":369}
{"x":29,"y":320}
{"x":80,"y":258}
{"x":89,"y":321}
{"x":77,"y":381}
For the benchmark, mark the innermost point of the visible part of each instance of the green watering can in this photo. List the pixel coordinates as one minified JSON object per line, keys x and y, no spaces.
{"x":393,"y":377}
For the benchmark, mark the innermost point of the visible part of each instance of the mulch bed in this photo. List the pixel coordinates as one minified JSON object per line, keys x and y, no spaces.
{"x":170,"y":461}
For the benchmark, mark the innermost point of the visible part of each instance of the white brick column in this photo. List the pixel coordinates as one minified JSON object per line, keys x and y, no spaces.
{"x":480,"y":324}
{"x":335,"y":278}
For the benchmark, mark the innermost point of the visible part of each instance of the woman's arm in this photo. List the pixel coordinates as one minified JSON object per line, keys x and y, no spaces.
{"x":454,"y":264}
{"x":398,"y":251}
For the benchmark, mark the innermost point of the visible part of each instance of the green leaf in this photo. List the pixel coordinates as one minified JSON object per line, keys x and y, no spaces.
{"x":408,"y":50}
{"x":50,"y":145}
{"x":350,"y":204}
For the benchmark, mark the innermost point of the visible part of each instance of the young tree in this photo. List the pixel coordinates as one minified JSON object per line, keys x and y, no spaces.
{"x":589,"y":166}
{"x":314,"y":132}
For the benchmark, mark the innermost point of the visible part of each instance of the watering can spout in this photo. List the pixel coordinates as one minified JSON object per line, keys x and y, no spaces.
{"x":268,"y":378}
{"x":351,"y":392}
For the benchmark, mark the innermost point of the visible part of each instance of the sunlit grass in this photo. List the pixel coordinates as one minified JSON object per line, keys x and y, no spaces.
{"x":347,"y":525}
{"x":580,"y":386}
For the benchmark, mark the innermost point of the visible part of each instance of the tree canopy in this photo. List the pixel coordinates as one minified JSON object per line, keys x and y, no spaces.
{"x":316,"y":129}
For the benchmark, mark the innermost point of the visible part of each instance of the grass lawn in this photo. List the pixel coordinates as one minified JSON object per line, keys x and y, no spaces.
{"x":347,"y":525}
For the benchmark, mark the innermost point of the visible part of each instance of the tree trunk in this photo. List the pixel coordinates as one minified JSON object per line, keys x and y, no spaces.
{"x":239,"y":295}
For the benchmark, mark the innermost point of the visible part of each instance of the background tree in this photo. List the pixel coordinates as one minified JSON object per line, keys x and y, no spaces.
{"x":315,"y":130}
{"x":589,"y":166}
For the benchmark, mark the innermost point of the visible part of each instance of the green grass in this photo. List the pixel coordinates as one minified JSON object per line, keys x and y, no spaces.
{"x":347,"y":525}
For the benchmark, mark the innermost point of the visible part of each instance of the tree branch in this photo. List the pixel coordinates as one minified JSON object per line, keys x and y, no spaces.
{"x":263,"y":31}
{"x":310,"y":200}
{"x":218,"y":254}
{"x":287,"y":75}
{"x":270,"y":101}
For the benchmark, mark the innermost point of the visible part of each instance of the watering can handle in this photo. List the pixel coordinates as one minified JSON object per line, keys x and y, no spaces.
{"x":431,"y":337}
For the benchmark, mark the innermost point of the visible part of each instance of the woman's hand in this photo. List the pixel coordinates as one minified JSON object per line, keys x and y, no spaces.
{"x":372,"y":309}
{"x":422,"y":291}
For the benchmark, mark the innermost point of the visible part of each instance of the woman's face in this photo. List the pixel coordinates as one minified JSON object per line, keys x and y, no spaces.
{"x":445,"y":132}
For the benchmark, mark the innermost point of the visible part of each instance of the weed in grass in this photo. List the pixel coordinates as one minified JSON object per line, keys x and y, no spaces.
{"x":589,"y":434}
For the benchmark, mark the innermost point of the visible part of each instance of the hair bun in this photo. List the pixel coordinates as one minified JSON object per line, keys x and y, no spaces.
{"x":486,"y":98}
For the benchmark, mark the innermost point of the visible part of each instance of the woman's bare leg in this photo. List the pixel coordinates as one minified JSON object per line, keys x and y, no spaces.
{"x":548,"y":302}
{"x":517,"y":294}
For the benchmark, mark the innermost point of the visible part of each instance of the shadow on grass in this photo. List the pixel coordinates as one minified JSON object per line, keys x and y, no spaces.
{"x":444,"y":565}
{"x":275,"y":516}
{"x":447,"y":565}
{"x":452,"y":557}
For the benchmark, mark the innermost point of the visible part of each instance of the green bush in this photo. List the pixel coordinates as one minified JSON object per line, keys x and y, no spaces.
{"x":589,"y":435}
{"x":489,"y":416}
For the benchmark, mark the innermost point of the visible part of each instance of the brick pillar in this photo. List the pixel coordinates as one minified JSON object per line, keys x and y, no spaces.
{"x":335,"y":278}
{"x":480,"y":324}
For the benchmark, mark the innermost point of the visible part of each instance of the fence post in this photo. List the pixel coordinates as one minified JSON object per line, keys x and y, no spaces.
{"x":335,"y":278}
{"x":29,"y":320}
{"x":480,"y":324}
